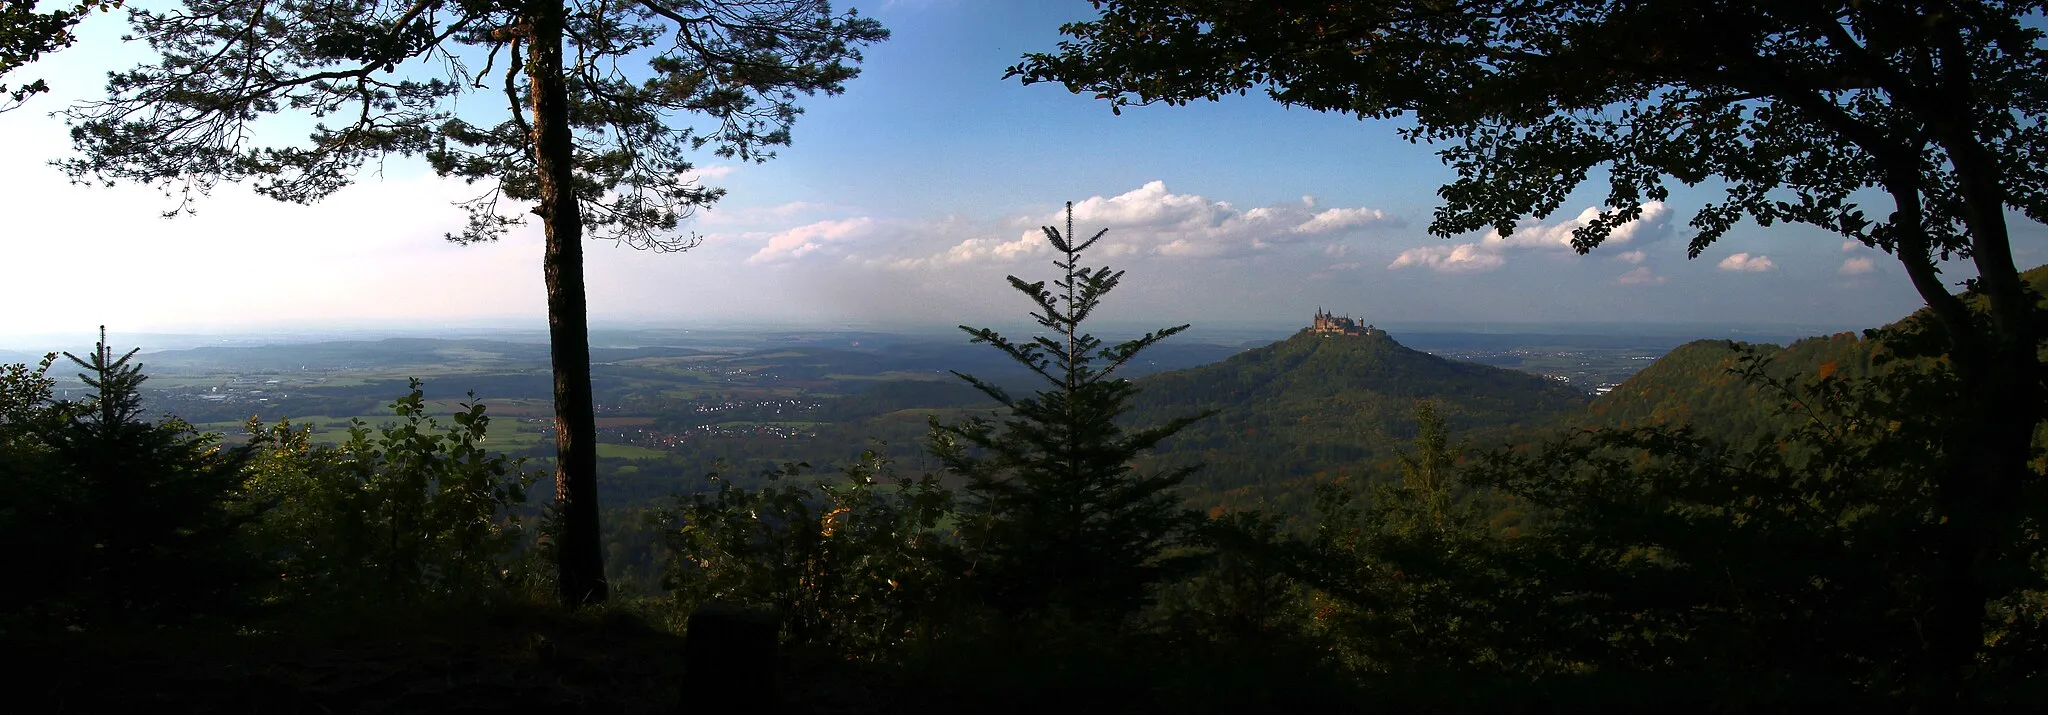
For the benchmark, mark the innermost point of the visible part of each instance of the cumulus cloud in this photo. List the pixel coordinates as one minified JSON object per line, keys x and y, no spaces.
{"x":977,"y":250}
{"x":1746,"y":262}
{"x":1852,"y":245}
{"x":1491,"y":252}
{"x":803,"y":240}
{"x":1461,"y":258}
{"x":1334,"y":220}
{"x":1153,"y":220}
{"x":1640,"y":276}
{"x":1858,"y":266}
{"x":1149,"y":221}
{"x":1655,"y":221}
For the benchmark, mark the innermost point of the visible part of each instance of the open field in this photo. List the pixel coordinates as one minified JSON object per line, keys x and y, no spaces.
{"x":627,"y":451}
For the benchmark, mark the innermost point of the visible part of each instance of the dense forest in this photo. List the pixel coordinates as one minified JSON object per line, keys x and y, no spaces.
{"x":1328,"y":523}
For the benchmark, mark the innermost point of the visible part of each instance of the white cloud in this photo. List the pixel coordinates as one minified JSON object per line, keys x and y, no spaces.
{"x":1746,"y":262}
{"x":803,"y":240}
{"x":1858,"y":266}
{"x":1491,"y":251}
{"x":1149,"y":221}
{"x":1640,"y":276}
{"x":1461,"y":258}
{"x":1150,"y":204}
{"x":1153,"y":220}
{"x":1654,"y":222}
{"x":1334,"y":220}
{"x":1852,"y":245}
{"x":982,"y":249}
{"x":712,"y":172}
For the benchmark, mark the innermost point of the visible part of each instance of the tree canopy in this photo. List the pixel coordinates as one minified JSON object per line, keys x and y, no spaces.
{"x":1794,"y":111}
{"x":592,"y":137}
{"x":27,"y":35}
{"x":385,"y":78}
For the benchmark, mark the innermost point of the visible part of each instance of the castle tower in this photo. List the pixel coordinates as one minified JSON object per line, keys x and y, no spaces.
{"x":1327,"y":323}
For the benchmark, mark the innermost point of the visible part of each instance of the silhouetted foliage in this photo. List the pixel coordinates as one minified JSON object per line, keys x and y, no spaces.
{"x":27,"y":35}
{"x":111,"y":520}
{"x":1652,"y":565}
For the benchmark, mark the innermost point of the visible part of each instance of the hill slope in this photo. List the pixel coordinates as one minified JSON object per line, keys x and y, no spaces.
{"x":1313,"y":406}
{"x":1693,"y":385}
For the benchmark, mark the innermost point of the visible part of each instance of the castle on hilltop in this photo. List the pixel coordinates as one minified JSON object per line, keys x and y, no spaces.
{"x":1328,"y":324}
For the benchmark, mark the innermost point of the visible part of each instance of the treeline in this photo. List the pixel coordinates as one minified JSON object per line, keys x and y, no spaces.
{"x":1038,"y":560}
{"x":113,"y":521}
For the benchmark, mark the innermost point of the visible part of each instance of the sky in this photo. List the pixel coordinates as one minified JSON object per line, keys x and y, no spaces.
{"x":904,"y":202}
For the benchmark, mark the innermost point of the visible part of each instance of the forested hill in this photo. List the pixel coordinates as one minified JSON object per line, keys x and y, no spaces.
{"x":1325,"y":406}
{"x":1695,"y":385}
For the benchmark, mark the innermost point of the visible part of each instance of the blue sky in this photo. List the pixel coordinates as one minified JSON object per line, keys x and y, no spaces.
{"x":904,"y":202}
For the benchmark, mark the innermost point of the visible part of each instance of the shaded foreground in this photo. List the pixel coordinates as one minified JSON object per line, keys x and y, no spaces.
{"x":481,"y":661}
{"x":1616,"y":568}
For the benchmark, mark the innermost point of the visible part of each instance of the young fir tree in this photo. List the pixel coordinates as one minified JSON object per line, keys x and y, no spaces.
{"x":1055,"y":517}
{"x":149,"y":512}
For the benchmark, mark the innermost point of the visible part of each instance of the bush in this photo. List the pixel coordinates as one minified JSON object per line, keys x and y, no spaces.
{"x":856,"y":566}
{"x":409,"y":511}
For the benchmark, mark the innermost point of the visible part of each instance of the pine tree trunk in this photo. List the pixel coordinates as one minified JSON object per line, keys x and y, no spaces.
{"x":580,"y":555}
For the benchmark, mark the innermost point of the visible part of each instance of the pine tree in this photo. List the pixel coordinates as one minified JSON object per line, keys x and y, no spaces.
{"x":596,"y":145}
{"x":1055,"y":517}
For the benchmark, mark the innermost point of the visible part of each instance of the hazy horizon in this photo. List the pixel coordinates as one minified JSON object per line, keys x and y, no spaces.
{"x":607,"y":333}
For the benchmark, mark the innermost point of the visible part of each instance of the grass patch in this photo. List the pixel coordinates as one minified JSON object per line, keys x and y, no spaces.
{"x":892,"y":375}
{"x":627,"y":451}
